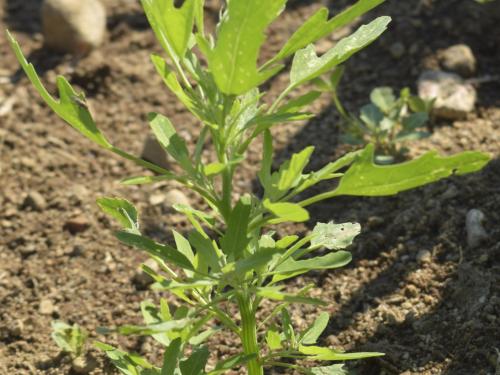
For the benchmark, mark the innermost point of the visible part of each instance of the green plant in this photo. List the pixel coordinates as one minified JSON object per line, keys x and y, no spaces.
{"x":70,"y":339}
{"x":229,"y":262}
{"x":387,"y":122}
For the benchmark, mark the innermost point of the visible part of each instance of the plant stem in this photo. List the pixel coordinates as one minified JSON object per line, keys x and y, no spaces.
{"x":249,"y":333}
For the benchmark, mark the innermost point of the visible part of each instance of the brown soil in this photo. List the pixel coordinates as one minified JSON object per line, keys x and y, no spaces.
{"x":436,"y":316}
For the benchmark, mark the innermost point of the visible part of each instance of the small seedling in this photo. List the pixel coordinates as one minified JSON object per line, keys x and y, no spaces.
{"x":70,"y":339}
{"x":387,"y":122}
{"x":233,"y":259}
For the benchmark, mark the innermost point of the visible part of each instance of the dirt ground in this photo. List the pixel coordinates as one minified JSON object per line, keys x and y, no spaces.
{"x":414,"y":290}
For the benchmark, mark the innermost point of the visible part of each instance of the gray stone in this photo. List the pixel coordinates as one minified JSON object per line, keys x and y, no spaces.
{"x":459,"y":59}
{"x":454,"y":98}
{"x":154,"y":153}
{"x":476,"y":234}
{"x":35,"y":201}
{"x":73,"y":26}
{"x":176,"y":197}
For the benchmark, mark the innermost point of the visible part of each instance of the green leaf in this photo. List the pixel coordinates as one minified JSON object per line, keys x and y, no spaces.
{"x":273,"y":339}
{"x":170,"y":140}
{"x":392,"y":179}
{"x":307,"y":65}
{"x":286,"y":325}
{"x":152,"y":329}
{"x":286,"y":212}
{"x":292,"y":170}
{"x":415,"y":121}
{"x":122,"y":210}
{"x":205,"y":249}
{"x":335,"y":236}
{"x":317,"y":353}
{"x":71,"y":106}
{"x":143,"y":180}
{"x":121,"y":360}
{"x":311,"y":335}
{"x":233,"y":61}
{"x":152,"y":315}
{"x":318,"y":26}
{"x":383,"y":98}
{"x":371,"y":115}
{"x":255,"y":261}
{"x":213,"y":169}
{"x":267,"y":161}
{"x":170,"y":79}
{"x":171,"y":357}
{"x":173,"y":26}
{"x":165,"y":252}
{"x":231,"y":363}
{"x":330,"y":370}
{"x":236,"y":239}
{"x":412,"y":135}
{"x":295,"y":105}
{"x":195,"y":364}
{"x":329,"y":261}
{"x":275,"y":294}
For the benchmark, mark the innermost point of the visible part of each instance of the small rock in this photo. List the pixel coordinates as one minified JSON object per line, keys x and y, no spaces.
{"x":35,"y":201}
{"x":77,"y":224}
{"x":73,"y":26}
{"x":141,"y":279}
{"x":450,"y":193}
{"x":424,"y":256}
{"x":411,"y":291}
{"x":176,"y":197}
{"x":476,"y":233}
{"x":156,"y":199}
{"x":453,"y":97}
{"x":154,"y":153}
{"x":84,"y":364}
{"x":46,"y":307}
{"x":397,"y":50}
{"x":459,"y":59}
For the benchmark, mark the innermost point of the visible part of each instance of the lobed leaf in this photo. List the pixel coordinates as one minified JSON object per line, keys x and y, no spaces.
{"x":233,"y":61}
{"x":335,"y":236}
{"x":307,"y":65}
{"x":122,"y":210}
{"x":286,"y":212}
{"x":311,"y":335}
{"x":195,"y":364}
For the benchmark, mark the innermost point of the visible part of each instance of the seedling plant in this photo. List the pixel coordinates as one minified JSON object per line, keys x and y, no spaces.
{"x":70,"y":339}
{"x":233,"y":260}
{"x":388,"y":122}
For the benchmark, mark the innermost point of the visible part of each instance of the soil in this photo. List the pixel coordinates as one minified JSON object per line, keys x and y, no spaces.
{"x":414,"y":290}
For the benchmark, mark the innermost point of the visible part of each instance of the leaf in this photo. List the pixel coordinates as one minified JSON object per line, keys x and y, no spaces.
{"x":71,"y":106}
{"x":286,"y":325}
{"x":236,"y":239}
{"x":151,"y":315}
{"x":311,"y":335}
{"x":195,"y":364}
{"x":330,"y":370}
{"x":329,"y":261}
{"x":318,"y":26}
{"x":273,"y":339}
{"x":255,"y":261}
{"x":364,"y":178}
{"x":335,"y":236}
{"x":170,"y":140}
{"x":371,"y":115}
{"x":383,"y":98}
{"x":292,"y":170}
{"x":120,"y":359}
{"x":171,"y":357}
{"x":205,"y":249}
{"x":122,"y":210}
{"x":286,"y":212}
{"x":267,"y":161}
{"x":152,"y":329}
{"x":231,"y":363}
{"x":412,"y":135}
{"x":165,"y":252}
{"x":307,"y":65}
{"x":213,"y":169}
{"x":233,"y":61}
{"x":275,"y":294}
{"x":415,"y":121}
{"x":173,"y":26}
{"x":295,"y":105}
{"x":317,"y":353}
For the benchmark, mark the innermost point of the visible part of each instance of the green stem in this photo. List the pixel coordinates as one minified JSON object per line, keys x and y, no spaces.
{"x":249,"y":333}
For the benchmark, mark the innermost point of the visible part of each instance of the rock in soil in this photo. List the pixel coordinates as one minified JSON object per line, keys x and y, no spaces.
{"x":459,"y":59}
{"x":77,"y":224}
{"x":176,"y":197}
{"x":154,"y":153}
{"x":46,"y":307}
{"x":454,"y":97}
{"x":476,"y":234}
{"x":424,"y":256}
{"x":73,"y":26}
{"x":84,"y":364}
{"x":35,"y":201}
